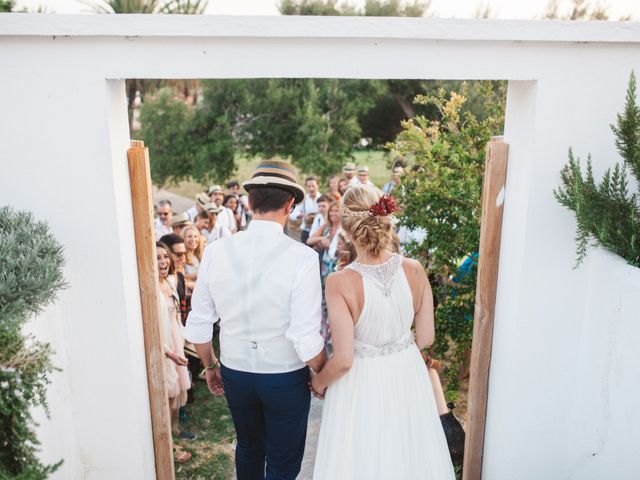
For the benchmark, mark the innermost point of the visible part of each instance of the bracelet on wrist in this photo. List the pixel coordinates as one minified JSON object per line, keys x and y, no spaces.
{"x":210,"y":367}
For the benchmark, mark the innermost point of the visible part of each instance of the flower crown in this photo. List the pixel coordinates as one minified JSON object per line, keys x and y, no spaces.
{"x":386,"y":205}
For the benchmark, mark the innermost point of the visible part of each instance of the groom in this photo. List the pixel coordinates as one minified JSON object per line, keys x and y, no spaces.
{"x":265,"y":288}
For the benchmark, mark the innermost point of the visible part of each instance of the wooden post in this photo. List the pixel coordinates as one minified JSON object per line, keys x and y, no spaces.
{"x":493,"y":190}
{"x":142,"y":205}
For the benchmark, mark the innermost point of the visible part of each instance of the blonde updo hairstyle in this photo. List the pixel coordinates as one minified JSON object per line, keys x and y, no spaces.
{"x":373,"y":234}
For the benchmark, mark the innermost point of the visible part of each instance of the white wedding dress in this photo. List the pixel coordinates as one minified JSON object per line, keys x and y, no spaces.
{"x":380,"y":421}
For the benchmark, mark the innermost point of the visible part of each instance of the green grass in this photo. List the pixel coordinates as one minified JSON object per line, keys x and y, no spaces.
{"x":212,"y":452}
{"x":376,"y":160}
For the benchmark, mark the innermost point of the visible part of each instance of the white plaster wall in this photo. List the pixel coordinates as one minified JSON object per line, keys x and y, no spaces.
{"x":558,"y":392}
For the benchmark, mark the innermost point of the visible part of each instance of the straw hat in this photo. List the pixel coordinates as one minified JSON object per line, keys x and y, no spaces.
{"x":214,"y":189}
{"x":349,"y":167}
{"x":276,"y":174}
{"x":211,"y":207}
{"x":179,"y":220}
{"x":202,"y":199}
{"x":363,"y":169}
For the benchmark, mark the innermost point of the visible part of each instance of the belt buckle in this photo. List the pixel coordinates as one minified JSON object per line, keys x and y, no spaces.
{"x":254,"y":345}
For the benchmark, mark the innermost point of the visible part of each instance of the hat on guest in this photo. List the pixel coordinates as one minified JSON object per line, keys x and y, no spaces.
{"x":363,"y":169}
{"x":214,"y":189}
{"x":202,"y":199}
{"x":398,"y":171}
{"x":276,"y":174}
{"x":349,"y":167}
{"x":212,"y":208}
{"x":180,"y":220}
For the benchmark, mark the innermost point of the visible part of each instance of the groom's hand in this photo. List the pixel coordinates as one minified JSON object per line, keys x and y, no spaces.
{"x":214,"y":381}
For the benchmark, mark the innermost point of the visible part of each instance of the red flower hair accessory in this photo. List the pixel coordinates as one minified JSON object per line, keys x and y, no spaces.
{"x":385,"y":206}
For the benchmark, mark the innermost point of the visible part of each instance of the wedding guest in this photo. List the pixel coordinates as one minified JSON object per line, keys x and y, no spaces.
{"x":306,"y":211}
{"x":363,"y":176}
{"x":396,"y":176}
{"x":321,"y":218}
{"x":327,"y":241}
{"x":179,"y":222}
{"x":201,"y":199}
{"x":232,"y":204}
{"x":343,"y":186}
{"x":334,"y":188}
{"x":216,"y":231}
{"x":225,"y":216}
{"x":193,"y":241}
{"x":184,"y":287}
{"x":176,"y":372}
{"x":201,"y":222}
{"x":163,"y":222}
{"x":243,"y":203}
{"x":349,"y":173}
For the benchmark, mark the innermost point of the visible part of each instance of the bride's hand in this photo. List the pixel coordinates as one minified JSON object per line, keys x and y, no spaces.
{"x":315,"y":387}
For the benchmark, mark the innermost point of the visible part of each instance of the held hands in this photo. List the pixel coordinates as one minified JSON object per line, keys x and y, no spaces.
{"x":316,"y":388}
{"x":214,"y":381}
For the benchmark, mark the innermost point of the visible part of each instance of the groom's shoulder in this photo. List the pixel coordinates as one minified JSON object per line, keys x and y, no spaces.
{"x":300,"y":250}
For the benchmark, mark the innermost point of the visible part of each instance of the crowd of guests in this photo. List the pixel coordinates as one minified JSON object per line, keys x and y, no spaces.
{"x":180,"y":242}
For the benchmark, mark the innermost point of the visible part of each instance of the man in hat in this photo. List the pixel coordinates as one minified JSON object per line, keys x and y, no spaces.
{"x":225,"y":217}
{"x":349,"y":173}
{"x":178,"y":222}
{"x":163,"y":222}
{"x":265,"y":288}
{"x":363,"y":176}
{"x":201,"y":199}
{"x":216,"y":230}
{"x":396,"y":175}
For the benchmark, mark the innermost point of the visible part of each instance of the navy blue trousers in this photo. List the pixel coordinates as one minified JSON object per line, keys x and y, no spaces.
{"x":270,"y":412}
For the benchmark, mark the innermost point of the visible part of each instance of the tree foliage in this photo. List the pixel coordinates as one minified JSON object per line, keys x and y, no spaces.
{"x":30,"y":277}
{"x":7,"y":5}
{"x":441,"y":195}
{"x":607,"y":213}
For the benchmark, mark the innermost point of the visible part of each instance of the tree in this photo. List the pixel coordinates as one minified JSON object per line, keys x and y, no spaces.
{"x":7,"y":5}
{"x":441,"y":195}
{"x":30,"y":277}
{"x":185,"y":142}
{"x":607,"y":214}
{"x":578,"y":10}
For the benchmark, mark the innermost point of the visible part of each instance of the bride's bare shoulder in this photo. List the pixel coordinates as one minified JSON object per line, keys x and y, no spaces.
{"x":342,"y":278}
{"x":413,"y":268}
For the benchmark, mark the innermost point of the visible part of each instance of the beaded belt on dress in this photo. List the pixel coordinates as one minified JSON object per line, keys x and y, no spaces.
{"x":365,"y":350}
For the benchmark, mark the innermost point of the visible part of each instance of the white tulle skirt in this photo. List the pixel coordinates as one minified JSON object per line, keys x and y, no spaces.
{"x":380,"y":422}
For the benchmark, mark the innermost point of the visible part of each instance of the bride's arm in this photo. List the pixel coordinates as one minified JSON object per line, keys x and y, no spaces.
{"x":425,"y":330}
{"x":341,"y":324}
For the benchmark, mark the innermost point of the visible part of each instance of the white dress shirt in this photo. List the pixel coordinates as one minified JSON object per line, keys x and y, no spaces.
{"x":161,"y":230}
{"x":318,"y":221}
{"x":265,"y":288}
{"x":227,"y":219}
{"x":218,"y":232}
{"x":310,"y":205}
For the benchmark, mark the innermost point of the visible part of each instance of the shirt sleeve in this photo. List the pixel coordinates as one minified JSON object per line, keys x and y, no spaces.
{"x":306,"y":310}
{"x":199,"y":326}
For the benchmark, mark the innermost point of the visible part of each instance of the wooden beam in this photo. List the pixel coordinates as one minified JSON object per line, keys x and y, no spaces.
{"x":493,"y":190}
{"x":142,"y":205}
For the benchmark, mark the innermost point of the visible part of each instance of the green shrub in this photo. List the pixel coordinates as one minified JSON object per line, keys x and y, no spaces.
{"x":607,"y":214}
{"x":441,"y":195}
{"x":30,"y":276}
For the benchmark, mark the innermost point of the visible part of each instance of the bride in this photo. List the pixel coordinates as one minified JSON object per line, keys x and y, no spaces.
{"x":379,"y":419}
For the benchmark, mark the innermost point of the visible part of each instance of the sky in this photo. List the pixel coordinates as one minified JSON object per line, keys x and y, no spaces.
{"x":511,"y":9}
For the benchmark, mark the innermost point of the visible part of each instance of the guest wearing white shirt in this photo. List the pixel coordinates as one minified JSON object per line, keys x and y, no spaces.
{"x":198,"y":206}
{"x":320,"y":219}
{"x":268,"y":336}
{"x":216,"y":231}
{"x":305,"y":212}
{"x":363,"y":177}
{"x":349,"y":173}
{"x":163,"y":222}
{"x":225,"y":217}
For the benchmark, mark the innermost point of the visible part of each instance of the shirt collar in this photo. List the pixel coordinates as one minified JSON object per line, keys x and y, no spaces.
{"x":265,"y":226}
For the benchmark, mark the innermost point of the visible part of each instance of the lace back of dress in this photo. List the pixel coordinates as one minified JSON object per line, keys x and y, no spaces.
{"x":383,"y":275}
